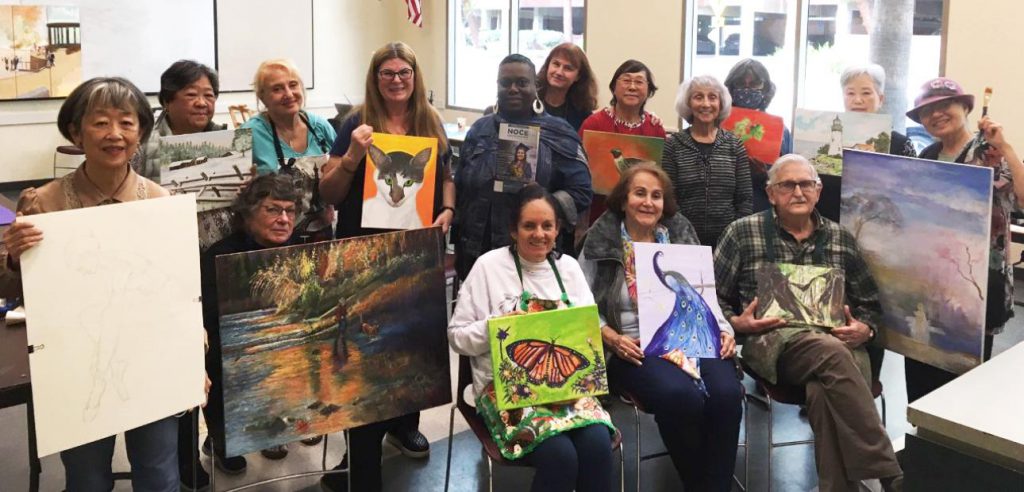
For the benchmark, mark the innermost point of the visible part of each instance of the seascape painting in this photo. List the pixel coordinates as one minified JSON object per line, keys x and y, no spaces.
{"x":801,"y":294}
{"x":398,"y":189}
{"x":923,"y":228}
{"x":41,"y":51}
{"x":821,"y":136}
{"x":760,"y":132}
{"x":610,"y":154}
{"x":322,"y":337}
{"x":547,"y":356}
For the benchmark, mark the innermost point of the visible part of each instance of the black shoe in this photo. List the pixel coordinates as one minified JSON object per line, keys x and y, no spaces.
{"x":412,"y":444}
{"x":232,"y":466}
{"x":335,"y":482}
{"x":313,"y":441}
{"x":275,"y":452}
{"x":202,"y":479}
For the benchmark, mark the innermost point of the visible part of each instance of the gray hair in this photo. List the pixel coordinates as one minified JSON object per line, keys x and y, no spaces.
{"x":703,"y":82}
{"x":788,"y":159}
{"x":873,"y":70}
{"x":104,"y":92}
{"x":274,"y":186}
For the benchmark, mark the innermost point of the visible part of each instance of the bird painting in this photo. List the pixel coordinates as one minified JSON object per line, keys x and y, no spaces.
{"x":622,"y":162}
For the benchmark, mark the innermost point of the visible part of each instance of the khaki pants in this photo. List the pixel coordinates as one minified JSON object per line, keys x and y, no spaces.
{"x":850,"y":443}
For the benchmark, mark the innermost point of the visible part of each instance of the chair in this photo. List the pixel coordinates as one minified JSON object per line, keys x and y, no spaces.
{"x":479,"y":428}
{"x":632,"y":401}
{"x":792,"y":395}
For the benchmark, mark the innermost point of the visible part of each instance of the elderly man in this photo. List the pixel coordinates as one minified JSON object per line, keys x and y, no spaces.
{"x":850,"y":442}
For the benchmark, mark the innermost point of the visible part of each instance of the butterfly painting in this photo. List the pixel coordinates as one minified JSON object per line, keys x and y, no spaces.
{"x":547,"y":357}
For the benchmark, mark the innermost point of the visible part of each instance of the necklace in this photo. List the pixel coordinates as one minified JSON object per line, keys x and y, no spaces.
{"x":619,"y":122}
{"x":107,"y":198}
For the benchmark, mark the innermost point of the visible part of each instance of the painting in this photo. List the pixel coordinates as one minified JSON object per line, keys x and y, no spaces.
{"x":760,"y":132}
{"x":801,"y":294}
{"x":398,"y":190}
{"x":677,"y":305}
{"x":117,"y":330}
{"x":611,"y":153}
{"x":518,"y":146}
{"x":41,"y":50}
{"x":326,"y":336}
{"x":923,"y":228}
{"x":547,"y":356}
{"x":821,"y":136}
{"x":210,"y":165}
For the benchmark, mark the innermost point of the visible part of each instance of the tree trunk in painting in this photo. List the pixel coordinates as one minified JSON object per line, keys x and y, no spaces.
{"x":891,"y":34}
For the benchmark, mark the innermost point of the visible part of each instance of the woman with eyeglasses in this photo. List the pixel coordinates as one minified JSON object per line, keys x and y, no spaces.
{"x":566,"y":84}
{"x":708,"y":166}
{"x":395,"y":103}
{"x":632,"y":85}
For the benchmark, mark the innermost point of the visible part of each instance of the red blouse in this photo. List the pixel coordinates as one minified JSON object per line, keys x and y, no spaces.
{"x":603,"y":121}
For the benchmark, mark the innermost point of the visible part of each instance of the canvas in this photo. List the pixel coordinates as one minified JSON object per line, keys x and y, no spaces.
{"x":546,"y":357}
{"x":516,"y":157}
{"x":41,"y":51}
{"x":326,"y":336}
{"x":611,"y":153}
{"x":760,"y":132}
{"x":210,"y":165}
{"x":116,"y":321}
{"x":398,"y":190}
{"x":923,"y":228}
{"x":821,"y":136}
{"x":677,"y":305}
{"x":802,"y":294}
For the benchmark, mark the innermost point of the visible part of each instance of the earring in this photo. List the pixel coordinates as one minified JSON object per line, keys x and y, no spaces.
{"x":538,"y":106}
{"x":495,"y":106}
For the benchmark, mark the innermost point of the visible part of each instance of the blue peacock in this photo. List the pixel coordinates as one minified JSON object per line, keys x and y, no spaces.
{"x":691,"y":332}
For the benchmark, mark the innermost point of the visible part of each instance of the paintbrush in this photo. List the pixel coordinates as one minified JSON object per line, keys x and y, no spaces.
{"x":983,"y":146}
{"x":985,"y":100}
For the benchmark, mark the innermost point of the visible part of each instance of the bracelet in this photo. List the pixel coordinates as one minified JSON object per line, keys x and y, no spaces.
{"x":871,"y":334}
{"x":441,"y":211}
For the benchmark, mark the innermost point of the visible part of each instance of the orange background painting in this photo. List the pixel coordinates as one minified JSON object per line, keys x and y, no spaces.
{"x":411,"y":145}
{"x":599,"y":147}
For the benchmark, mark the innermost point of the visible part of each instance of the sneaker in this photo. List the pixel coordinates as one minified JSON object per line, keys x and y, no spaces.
{"x":412,"y":444}
{"x":335,"y":482}
{"x":275,"y":452}
{"x":313,"y":441}
{"x":202,"y":479}
{"x":232,"y":466}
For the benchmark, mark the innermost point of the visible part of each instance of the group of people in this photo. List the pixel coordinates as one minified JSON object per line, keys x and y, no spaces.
{"x":517,"y":252}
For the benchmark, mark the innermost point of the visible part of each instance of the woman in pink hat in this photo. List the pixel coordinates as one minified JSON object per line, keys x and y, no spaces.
{"x":942,"y":109}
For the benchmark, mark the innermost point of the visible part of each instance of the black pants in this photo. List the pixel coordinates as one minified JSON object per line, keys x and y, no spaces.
{"x":365,"y":444}
{"x":924,"y":378}
{"x":578,"y":459}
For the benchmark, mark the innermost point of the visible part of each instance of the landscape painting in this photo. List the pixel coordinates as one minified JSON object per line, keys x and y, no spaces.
{"x":326,"y":336}
{"x":760,"y":132}
{"x":821,"y":136}
{"x":547,"y":356}
{"x":210,"y":165}
{"x":923,"y":228}
{"x":398,"y":189}
{"x":610,"y":154}
{"x":801,"y":294}
{"x":41,"y":51}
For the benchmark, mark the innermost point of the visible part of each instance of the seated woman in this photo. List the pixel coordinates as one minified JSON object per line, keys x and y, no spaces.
{"x":572,"y":445}
{"x":700,"y":430}
{"x":483,"y":202}
{"x":262,"y":216}
{"x":632,"y":85}
{"x":566,"y":84}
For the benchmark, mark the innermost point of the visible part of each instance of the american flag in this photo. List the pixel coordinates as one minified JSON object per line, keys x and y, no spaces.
{"x":414,"y":9}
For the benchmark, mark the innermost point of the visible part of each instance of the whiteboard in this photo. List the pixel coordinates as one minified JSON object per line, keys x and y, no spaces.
{"x":251,"y":31}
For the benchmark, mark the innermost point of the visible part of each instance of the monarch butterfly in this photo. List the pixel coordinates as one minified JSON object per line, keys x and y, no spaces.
{"x":545,"y":362}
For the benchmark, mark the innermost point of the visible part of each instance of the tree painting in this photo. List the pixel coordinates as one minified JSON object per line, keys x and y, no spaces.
{"x":747,"y":130}
{"x":871,"y":208}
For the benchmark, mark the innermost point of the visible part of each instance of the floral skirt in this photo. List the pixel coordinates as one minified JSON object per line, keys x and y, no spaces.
{"x":521,"y":430}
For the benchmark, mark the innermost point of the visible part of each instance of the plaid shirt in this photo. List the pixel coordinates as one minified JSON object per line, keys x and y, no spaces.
{"x":741,"y":252}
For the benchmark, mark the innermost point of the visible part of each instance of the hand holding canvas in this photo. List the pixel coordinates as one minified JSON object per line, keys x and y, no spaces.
{"x":627,"y":348}
{"x":855,"y":333}
{"x":746,"y":323}
{"x":728,"y":346}
{"x":19,"y":237}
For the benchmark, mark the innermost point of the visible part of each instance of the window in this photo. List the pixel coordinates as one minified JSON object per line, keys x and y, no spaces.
{"x":482,"y":32}
{"x":836,"y":34}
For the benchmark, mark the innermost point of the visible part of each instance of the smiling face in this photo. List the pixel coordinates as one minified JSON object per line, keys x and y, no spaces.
{"x":281,"y":93}
{"x":520,"y":154}
{"x":395,"y":80}
{"x":109,"y":136}
{"x":800,"y":201}
{"x":944,"y":118}
{"x":562,"y":73}
{"x":536,"y":231}
{"x":191,"y":109}
{"x":631,"y":90}
{"x":272,"y":223}
{"x":860,"y":94}
{"x":645,"y":202}
{"x":517,"y":89}
{"x":705,"y":103}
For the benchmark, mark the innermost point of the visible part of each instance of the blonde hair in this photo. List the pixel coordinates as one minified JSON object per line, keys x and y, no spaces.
{"x":423,"y":120}
{"x":275,"y":64}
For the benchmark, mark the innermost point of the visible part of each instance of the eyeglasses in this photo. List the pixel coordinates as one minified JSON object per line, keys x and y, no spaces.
{"x":403,"y":74}
{"x":790,"y":186}
{"x":637,"y":82}
{"x":520,"y":83}
{"x":276,"y":212}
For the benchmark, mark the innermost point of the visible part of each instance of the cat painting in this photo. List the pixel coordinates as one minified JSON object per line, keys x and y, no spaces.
{"x":398,"y":177}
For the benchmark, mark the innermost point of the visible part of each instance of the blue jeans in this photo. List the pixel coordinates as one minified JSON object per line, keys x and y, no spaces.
{"x":700,"y":432}
{"x":152,"y":452}
{"x":578,"y":459}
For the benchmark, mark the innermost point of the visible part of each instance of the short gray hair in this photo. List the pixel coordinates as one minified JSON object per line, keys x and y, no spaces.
{"x":873,"y":70}
{"x":703,"y":82}
{"x":787,"y":159}
{"x":282,"y":187}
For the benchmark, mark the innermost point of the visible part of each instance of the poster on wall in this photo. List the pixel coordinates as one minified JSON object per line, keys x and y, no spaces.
{"x":398,"y":188}
{"x":116,"y":322}
{"x":610,"y":154}
{"x":923,"y":228}
{"x":821,"y":136}
{"x":326,"y":336}
{"x":760,"y":132}
{"x":41,"y":51}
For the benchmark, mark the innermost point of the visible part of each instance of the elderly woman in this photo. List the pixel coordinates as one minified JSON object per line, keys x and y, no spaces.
{"x":632,"y":85}
{"x":395,"y":103}
{"x":571,"y":447}
{"x":283,"y":130}
{"x":566,"y":84}
{"x":482,"y":200}
{"x":700,"y":430}
{"x":942,"y":108}
{"x":708,"y":165}
{"x":107,"y":118}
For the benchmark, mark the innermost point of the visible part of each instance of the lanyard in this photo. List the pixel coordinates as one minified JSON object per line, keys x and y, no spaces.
{"x":817,"y":258}
{"x":524,"y":298}
{"x":277,"y":141}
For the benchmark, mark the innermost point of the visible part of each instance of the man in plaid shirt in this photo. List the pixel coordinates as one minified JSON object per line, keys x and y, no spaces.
{"x":831,"y":363}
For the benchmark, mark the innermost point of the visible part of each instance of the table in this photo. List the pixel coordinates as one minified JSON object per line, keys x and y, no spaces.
{"x":16,"y":387}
